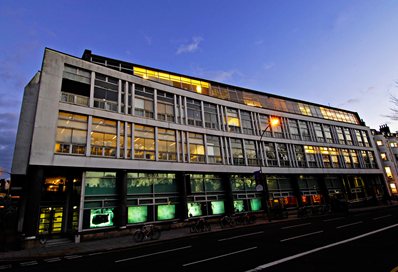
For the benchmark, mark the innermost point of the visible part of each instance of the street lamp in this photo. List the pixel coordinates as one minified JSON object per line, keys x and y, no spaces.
{"x":272,"y":122}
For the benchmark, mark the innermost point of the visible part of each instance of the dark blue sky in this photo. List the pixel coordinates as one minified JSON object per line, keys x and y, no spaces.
{"x":340,"y":53}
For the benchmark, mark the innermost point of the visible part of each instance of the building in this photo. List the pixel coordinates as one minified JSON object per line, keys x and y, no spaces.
{"x":105,"y":145}
{"x":387,"y":145}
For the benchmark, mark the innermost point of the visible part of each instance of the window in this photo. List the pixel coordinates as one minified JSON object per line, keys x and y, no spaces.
{"x":304,"y":130}
{"x":196,"y":148}
{"x":365,"y":138}
{"x":103,"y":137}
{"x":347,"y":159}
{"x":359,"y":137}
{"x":143,"y":103}
{"x":383,"y":156}
{"x":340,"y":135}
{"x":270,"y":154}
{"x":211,"y":117}
{"x":251,"y":154}
{"x":379,"y":142}
{"x":264,"y":126}
{"x":233,"y":120}
{"x":334,"y":156}
{"x":213,"y":149}
{"x":388,"y":172}
{"x":237,"y":151}
{"x":106,"y":92}
{"x":283,"y":155}
{"x":100,"y":183}
{"x":328,"y":133}
{"x":165,"y":106}
{"x":354,"y":158}
{"x":319,"y":133}
{"x":300,"y":157}
{"x":167,"y":145}
{"x":393,"y":144}
{"x":310,"y":152}
{"x":246,"y":122}
{"x":144,"y":142}
{"x":71,"y":135}
{"x":194,"y":112}
{"x":294,"y":131}
{"x":348,"y":136}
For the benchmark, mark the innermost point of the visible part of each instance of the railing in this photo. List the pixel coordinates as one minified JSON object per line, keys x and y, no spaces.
{"x":74,"y":99}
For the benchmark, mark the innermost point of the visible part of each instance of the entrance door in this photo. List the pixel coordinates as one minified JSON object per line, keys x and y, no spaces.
{"x":50,"y":220}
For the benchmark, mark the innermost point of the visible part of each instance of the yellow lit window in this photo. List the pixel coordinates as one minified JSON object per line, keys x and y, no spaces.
{"x":379,"y":142}
{"x":388,"y":172}
{"x":304,"y":109}
{"x":383,"y":156}
{"x":393,"y":188}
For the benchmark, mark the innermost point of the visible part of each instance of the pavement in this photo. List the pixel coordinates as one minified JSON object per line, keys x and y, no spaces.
{"x":71,"y":249}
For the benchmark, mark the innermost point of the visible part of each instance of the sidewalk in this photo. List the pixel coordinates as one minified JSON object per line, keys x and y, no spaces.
{"x":86,"y":247}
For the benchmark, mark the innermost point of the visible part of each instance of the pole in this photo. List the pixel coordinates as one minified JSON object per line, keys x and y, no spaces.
{"x":264,"y":183}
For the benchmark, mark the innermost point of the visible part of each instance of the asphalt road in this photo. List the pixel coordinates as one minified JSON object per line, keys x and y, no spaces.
{"x":361,"y":242}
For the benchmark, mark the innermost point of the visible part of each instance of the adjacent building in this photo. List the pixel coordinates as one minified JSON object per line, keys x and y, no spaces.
{"x":387,"y":145}
{"x":105,"y":145}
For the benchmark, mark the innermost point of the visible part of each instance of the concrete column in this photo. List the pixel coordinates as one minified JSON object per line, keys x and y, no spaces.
{"x":121,"y":183}
{"x":32,"y":210}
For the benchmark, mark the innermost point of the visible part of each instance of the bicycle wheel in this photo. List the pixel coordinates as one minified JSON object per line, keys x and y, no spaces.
{"x":138,"y":236}
{"x":192,"y":228}
{"x":207,"y":226}
{"x":155,"y":234}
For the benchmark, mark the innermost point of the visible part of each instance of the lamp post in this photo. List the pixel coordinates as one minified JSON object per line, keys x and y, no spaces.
{"x":259,"y":174}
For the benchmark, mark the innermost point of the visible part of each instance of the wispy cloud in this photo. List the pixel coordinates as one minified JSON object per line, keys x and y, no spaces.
{"x":349,"y":101}
{"x":190,"y":47}
{"x":268,"y":65}
{"x":148,"y":40}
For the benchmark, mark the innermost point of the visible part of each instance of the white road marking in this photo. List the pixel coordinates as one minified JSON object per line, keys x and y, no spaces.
{"x":96,"y":253}
{"x":381,"y":217}
{"x":220,"y":256}
{"x":6,"y":266}
{"x":333,"y":219}
{"x":300,"y":236}
{"x":239,"y":236}
{"x":28,"y":263}
{"x":70,"y":257}
{"x":147,"y":255}
{"x":348,"y":225}
{"x":258,"y":268}
{"x":295,"y":226}
{"x":56,"y":259}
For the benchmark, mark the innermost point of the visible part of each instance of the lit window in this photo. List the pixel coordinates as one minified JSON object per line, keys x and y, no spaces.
{"x":379,"y":142}
{"x":383,"y":156}
{"x":388,"y":172}
{"x":393,"y":188}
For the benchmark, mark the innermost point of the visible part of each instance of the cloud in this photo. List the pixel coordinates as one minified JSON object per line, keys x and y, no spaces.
{"x":350,"y":102}
{"x":268,"y":66}
{"x":148,"y":40}
{"x":219,"y":76}
{"x":191,"y":47}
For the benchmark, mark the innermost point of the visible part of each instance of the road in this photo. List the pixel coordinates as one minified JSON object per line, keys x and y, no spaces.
{"x":364,"y":241}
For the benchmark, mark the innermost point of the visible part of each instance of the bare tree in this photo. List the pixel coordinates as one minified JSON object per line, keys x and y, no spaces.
{"x":394,"y":110}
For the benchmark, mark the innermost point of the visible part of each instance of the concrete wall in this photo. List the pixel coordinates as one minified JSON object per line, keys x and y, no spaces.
{"x":25,"y":127}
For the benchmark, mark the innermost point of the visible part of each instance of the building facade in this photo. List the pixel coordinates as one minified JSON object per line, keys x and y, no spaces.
{"x":105,"y":145}
{"x":387,"y":145}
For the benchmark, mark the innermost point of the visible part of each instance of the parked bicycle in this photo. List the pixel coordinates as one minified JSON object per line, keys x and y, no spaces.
{"x":147,"y":232}
{"x":245,"y":218}
{"x":227,"y":221}
{"x":200,"y":225}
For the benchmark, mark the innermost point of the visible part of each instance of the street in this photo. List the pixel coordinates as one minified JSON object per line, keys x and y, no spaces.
{"x":358,"y":242}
